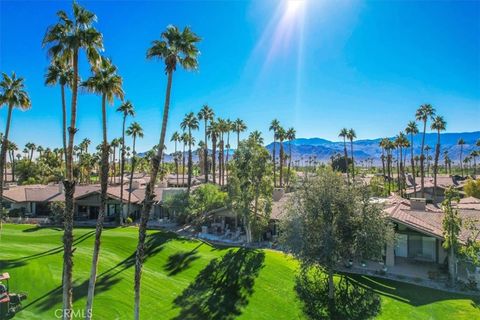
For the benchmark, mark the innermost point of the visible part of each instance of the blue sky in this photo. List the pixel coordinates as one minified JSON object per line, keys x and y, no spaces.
{"x":315,"y":65}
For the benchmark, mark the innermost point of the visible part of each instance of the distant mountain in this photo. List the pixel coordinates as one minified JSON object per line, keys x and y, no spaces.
{"x":323,"y":149}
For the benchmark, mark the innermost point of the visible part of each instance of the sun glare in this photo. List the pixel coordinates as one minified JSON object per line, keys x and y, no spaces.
{"x":293,"y":7}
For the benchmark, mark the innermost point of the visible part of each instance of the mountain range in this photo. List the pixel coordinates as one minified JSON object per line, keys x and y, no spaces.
{"x":323,"y":149}
{"x":369,"y":148}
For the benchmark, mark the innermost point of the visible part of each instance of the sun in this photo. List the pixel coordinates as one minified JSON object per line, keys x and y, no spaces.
{"x":293,"y":7}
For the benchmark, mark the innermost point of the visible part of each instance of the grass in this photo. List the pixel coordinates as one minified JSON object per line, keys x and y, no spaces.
{"x":184,"y":279}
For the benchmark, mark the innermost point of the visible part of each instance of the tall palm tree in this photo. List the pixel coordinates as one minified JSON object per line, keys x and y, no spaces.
{"x":13,"y":95}
{"x":281,"y":135}
{"x":60,"y":72}
{"x":383,"y":144}
{"x":290,"y":136}
{"x":412,"y":130}
{"x":389,"y":148}
{"x":222,"y":127}
{"x":114,"y":145}
{"x":190,"y":122}
{"x":206,"y":114}
{"x":428,"y":158}
{"x":474,"y":154}
{"x":175,"y":47}
{"x":274,"y":125}
{"x":352,"y":135}
{"x":65,"y":41}
{"x":344,"y":134}
{"x":239,"y":126}
{"x":229,"y":128}
{"x":126,"y":109}
{"x":213,"y":132}
{"x":176,"y":138}
{"x":461,"y":143}
{"x":135,"y":131}
{"x":108,"y":84}
{"x":401,"y":141}
{"x":423,"y":113}
{"x":439,"y":125}
{"x":12,"y":148}
{"x":184,"y":139}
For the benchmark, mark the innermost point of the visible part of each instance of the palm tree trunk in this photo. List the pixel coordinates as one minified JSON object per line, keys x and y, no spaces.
{"x":281,"y":164}
{"x":346,"y":158}
{"x":273,"y":160}
{"x":422,"y":159}
{"x":69,"y":183}
{"x":122,"y":168}
{"x":289,"y":161}
{"x":383,"y":164}
{"x":148,"y":202}
{"x":131,"y":176}
{"x":183,"y":165}
{"x":228,"y":151}
{"x":64,"y":125}
{"x":101,"y":214}
{"x":353,"y":161}
{"x":461,"y":158}
{"x":214,"y":160}
{"x":435,"y":166}
{"x":205,"y":154}
{"x":176,"y":160}
{"x":189,"y":182}
{"x":3,"y":157}
{"x":412,"y":161}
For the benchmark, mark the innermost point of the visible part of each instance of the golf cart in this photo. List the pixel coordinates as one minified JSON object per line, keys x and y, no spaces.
{"x":10,"y":303}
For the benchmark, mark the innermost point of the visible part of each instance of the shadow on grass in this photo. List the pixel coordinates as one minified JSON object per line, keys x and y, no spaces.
{"x":350,"y":301}
{"x":222,"y":288}
{"x":414,"y":295}
{"x":36,"y":228}
{"x":19,"y":262}
{"x":106,"y":280}
{"x":180,"y":261}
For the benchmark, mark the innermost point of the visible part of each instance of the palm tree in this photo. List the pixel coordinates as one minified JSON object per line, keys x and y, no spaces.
{"x":474,"y":154}
{"x":274,"y":125}
{"x":401,"y":141}
{"x":352,"y":135}
{"x":424,"y":112}
{"x":213,"y":132}
{"x":256,"y":136}
{"x":30,"y":147}
{"x":12,"y":147}
{"x":190,"y":122}
{"x":176,"y":138}
{"x":114,"y":145}
{"x":239,"y":126}
{"x":229,"y":128}
{"x":135,"y":131}
{"x":439,"y":125}
{"x":389,"y":147}
{"x":184,"y":139}
{"x":13,"y":95}
{"x":281,"y":135}
{"x":126,"y":109}
{"x":412,"y":130}
{"x":108,"y":84}
{"x":290,"y":135}
{"x":383,"y":144}
{"x":344,"y":134}
{"x":223,"y":128}
{"x":65,"y":40}
{"x":428,"y":158}
{"x":174,"y":48}
{"x":461,"y":143}
{"x":59,"y":72}
{"x":206,"y":114}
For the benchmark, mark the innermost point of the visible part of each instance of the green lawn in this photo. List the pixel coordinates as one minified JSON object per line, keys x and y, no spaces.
{"x":186,"y":279}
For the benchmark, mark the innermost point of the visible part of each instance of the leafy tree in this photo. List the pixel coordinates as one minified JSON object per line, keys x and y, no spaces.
{"x":472,"y":188}
{"x":452,"y":224}
{"x":338,"y":163}
{"x":327,"y":222}
{"x":250,"y":189}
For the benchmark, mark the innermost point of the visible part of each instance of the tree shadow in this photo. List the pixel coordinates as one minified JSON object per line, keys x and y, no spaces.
{"x":180,"y":261}
{"x":37,"y":228}
{"x":351,"y":301}
{"x":222,"y":288}
{"x":19,"y":262}
{"x":414,"y":295}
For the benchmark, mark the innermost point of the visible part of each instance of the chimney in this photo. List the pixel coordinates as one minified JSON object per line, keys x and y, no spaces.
{"x":418,"y":204}
{"x":278,"y":194}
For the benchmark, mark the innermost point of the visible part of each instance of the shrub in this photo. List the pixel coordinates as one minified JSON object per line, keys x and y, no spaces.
{"x":472,"y":188}
{"x":57,"y":211}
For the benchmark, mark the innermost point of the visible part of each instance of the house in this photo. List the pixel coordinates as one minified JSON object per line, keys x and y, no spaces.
{"x":34,"y":200}
{"x":419,"y":234}
{"x":443,"y":183}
